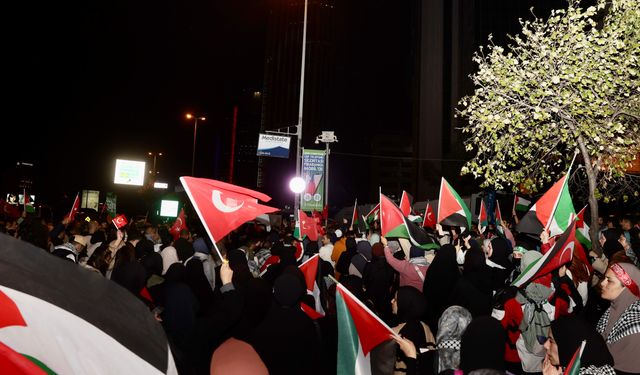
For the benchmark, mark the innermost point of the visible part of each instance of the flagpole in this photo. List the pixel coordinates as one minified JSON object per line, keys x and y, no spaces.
{"x":380,"y":204}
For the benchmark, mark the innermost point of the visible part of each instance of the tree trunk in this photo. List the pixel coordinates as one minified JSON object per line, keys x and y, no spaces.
{"x":593,"y":202}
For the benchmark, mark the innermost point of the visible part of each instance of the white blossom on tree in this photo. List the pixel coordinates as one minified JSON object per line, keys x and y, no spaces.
{"x":566,"y":84}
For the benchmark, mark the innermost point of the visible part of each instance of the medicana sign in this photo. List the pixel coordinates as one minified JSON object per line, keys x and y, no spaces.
{"x":273,"y":145}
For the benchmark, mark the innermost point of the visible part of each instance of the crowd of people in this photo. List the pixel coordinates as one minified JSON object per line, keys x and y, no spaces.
{"x":454,"y":308}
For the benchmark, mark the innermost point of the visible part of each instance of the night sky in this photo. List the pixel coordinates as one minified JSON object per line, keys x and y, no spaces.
{"x":99,"y":80}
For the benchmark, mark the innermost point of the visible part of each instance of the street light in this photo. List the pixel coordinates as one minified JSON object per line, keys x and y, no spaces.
{"x":327,"y":137}
{"x":195,"y":132}
{"x":155,"y":156}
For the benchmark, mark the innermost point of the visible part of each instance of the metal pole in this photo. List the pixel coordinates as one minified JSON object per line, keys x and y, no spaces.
{"x":233,"y":143}
{"x":193,"y":157}
{"x":296,"y":204}
{"x":326,"y":184}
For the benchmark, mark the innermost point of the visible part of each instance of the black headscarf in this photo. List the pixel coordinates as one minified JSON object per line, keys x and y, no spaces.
{"x":501,"y":251}
{"x":288,"y":290}
{"x":476,"y":270}
{"x":611,"y":245}
{"x":411,"y":304}
{"x":482,"y":345}
{"x":441,"y":278}
{"x":569,"y":331}
{"x":184,"y":249}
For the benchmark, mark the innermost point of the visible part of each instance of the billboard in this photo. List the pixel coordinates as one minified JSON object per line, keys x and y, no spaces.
{"x":169,"y":208}
{"x":90,"y":199}
{"x":313,"y":174}
{"x":110,"y":202}
{"x":276,"y":146}
{"x":129,"y":172}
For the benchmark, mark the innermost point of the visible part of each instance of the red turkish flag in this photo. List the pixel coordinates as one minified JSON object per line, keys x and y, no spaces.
{"x":74,"y":208}
{"x":308,"y":226}
{"x":120,"y":221}
{"x":429,"y":220}
{"x":178,"y":225}
{"x":223,"y":207}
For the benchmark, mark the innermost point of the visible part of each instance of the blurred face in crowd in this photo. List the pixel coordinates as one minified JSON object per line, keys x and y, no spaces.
{"x":486,"y":247}
{"x":626,"y":224}
{"x":602,"y":239}
{"x":600,"y":221}
{"x":611,"y":286}
{"x":552,"y":350}
{"x":325,"y":240}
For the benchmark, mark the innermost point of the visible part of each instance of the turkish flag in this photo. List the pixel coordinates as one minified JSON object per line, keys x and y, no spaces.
{"x":223,"y":207}
{"x":178,"y":225}
{"x":308,"y":226}
{"x":429,"y":220}
{"x":74,"y":208}
{"x":120,"y":221}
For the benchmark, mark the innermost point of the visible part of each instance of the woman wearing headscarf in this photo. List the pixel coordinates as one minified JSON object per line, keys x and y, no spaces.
{"x":473,"y":289}
{"x":498,"y":251}
{"x":620,"y":324}
{"x":565,"y":338}
{"x":451,"y":326}
{"x":482,"y":345}
{"x":409,"y":306}
{"x":378,"y":280}
{"x":439,"y":283}
{"x":413,"y":271}
{"x":286,"y":339}
{"x":360,"y":260}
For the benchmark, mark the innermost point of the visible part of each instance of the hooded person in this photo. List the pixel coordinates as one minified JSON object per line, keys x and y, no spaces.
{"x":202,"y":252}
{"x":412,"y":272}
{"x":473,"y":289}
{"x":409,"y":306}
{"x":499,"y":255}
{"x":565,"y":338}
{"x":439,"y":283}
{"x":620,"y":324}
{"x":238,"y":263}
{"x":451,"y":326}
{"x":610,"y":244}
{"x":377,"y":278}
{"x":482,"y":345}
{"x":286,"y":339}
{"x":344,"y":261}
{"x":360,"y":259}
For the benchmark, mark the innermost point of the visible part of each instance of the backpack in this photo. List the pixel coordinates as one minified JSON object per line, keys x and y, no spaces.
{"x":535,"y":321}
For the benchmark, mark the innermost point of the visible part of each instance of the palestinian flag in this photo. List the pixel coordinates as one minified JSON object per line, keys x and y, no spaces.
{"x":373,"y":215}
{"x":359,"y":331}
{"x":429,"y":220}
{"x":355,"y":218}
{"x":57,"y":318}
{"x":574,"y":366}
{"x":310,"y":270}
{"x":405,"y":203}
{"x":520,"y":204}
{"x":582,"y":230}
{"x":28,"y":205}
{"x":498,"y":216}
{"x":552,"y":211}
{"x":394,"y":224}
{"x":561,"y":253}
{"x":451,"y":208}
{"x":305,"y":226}
{"x":483,"y":219}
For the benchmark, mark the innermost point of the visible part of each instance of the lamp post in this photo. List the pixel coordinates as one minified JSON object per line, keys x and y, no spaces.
{"x":327,"y":137}
{"x":300,"y":107}
{"x":155,"y":156}
{"x":195,"y":133}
